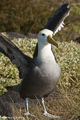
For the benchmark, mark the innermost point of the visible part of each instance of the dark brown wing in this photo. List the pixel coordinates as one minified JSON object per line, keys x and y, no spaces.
{"x":10,"y":50}
{"x":59,"y":16}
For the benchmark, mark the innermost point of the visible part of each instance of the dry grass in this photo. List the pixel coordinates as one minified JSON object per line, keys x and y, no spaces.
{"x":66,"y":101}
{"x":65,"y":104}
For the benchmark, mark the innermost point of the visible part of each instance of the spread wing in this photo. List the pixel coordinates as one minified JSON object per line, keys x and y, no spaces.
{"x":10,"y":50}
{"x":56,"y":22}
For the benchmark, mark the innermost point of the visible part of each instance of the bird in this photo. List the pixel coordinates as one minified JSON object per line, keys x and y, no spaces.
{"x":39,"y":74}
{"x":42,"y":72}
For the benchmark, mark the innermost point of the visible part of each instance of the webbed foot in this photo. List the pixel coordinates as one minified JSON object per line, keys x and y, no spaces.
{"x":28,"y":114}
{"x":50,"y":115}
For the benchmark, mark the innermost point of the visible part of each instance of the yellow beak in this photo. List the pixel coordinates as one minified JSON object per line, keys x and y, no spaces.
{"x":52,"y":41}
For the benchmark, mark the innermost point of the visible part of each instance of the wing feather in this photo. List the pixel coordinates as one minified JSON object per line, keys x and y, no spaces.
{"x":9,"y":49}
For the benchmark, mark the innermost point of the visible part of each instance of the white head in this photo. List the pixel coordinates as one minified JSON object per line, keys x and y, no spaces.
{"x":45,"y":37}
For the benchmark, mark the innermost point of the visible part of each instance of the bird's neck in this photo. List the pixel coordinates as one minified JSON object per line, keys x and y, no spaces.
{"x":45,"y":52}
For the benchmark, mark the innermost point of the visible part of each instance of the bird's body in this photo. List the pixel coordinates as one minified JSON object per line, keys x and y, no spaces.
{"x":40,"y":74}
{"x":43,"y":75}
{"x":41,"y":78}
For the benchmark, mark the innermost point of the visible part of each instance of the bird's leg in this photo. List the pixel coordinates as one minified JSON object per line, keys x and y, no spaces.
{"x":45,"y":111}
{"x":27,"y":109}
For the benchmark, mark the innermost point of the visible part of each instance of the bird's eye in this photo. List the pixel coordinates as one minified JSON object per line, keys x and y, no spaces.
{"x":43,"y":34}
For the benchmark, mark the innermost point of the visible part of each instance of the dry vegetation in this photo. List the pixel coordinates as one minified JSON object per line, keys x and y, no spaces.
{"x":65,"y":101}
{"x":31,"y":16}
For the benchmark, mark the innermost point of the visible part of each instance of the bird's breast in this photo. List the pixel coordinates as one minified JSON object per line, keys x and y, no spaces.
{"x":40,"y":80}
{"x":48,"y":75}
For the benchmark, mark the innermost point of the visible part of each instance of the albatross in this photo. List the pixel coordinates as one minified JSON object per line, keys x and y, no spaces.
{"x":39,"y":74}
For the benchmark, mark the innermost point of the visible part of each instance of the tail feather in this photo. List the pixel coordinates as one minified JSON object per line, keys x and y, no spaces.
{"x":14,"y":88}
{"x":10,"y":88}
